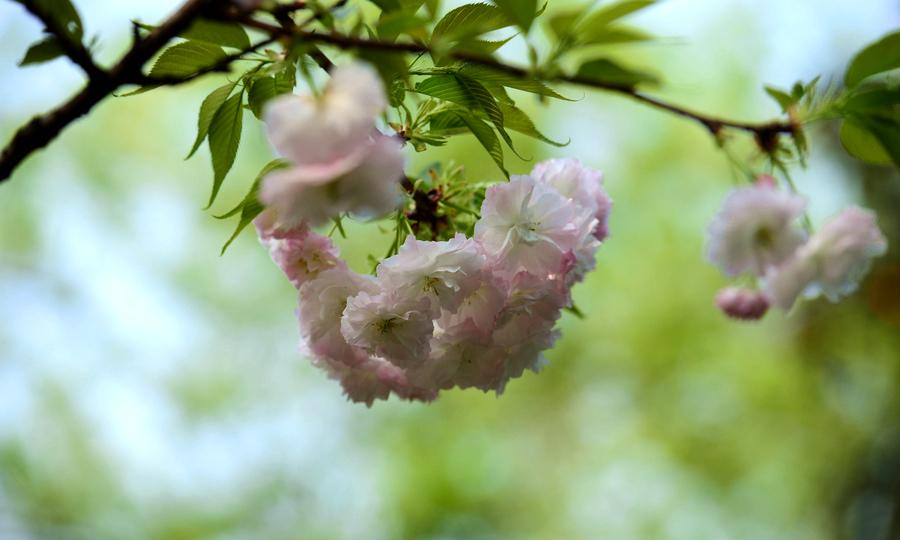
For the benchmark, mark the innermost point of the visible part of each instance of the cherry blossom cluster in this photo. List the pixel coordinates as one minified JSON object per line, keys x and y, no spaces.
{"x":758,"y":232}
{"x":464,"y":312}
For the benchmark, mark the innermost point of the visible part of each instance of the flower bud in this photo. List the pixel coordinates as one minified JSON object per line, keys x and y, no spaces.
{"x":743,"y":304}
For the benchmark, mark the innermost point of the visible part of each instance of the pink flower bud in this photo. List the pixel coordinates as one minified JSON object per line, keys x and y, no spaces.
{"x":743,"y":304}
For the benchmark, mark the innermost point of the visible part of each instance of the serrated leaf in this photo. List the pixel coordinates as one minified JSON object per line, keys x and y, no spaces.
{"x":862,"y":144}
{"x":468,"y":93}
{"x":483,"y":47}
{"x":521,"y":12}
{"x":250,"y":207}
{"x":208,"y":110}
{"x":42,"y":51}
{"x":446,"y":87}
{"x":226,"y":34}
{"x":784,"y":100}
{"x":286,"y":78}
{"x":488,"y":76}
{"x":446,"y":124}
{"x":612,"y":12}
{"x":883,"y":55}
{"x":486,"y":137}
{"x":516,"y":120}
{"x":262,"y":89}
{"x":606,"y":72}
{"x":184,"y":59}
{"x":391,"y":25}
{"x":469,"y":21}
{"x":224,"y":139}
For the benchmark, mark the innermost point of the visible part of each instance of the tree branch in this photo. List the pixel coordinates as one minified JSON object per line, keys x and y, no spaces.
{"x":73,"y":48}
{"x":42,"y":129}
{"x":764,"y":132}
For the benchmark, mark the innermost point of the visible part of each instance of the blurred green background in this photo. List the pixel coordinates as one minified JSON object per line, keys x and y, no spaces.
{"x":150,"y":388}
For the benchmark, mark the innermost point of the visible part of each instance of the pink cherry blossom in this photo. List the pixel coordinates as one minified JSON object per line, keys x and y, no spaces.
{"x":366,"y":183}
{"x":322,"y":303}
{"x":301,"y":253}
{"x":529,"y":225}
{"x":581,"y":185}
{"x":333,"y":127}
{"x":384,"y":325}
{"x":756,"y":228}
{"x":832,"y":262}
{"x":444,"y":272}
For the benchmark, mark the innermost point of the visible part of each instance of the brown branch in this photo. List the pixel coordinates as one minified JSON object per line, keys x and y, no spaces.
{"x":763,"y":131}
{"x":42,"y":129}
{"x":71,"y":47}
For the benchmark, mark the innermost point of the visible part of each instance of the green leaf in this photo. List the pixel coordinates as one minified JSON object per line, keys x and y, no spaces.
{"x":391,"y":25}
{"x":224,"y":138}
{"x":521,"y":12}
{"x":485,"y":101}
{"x":226,"y":34}
{"x":488,"y":77}
{"x":883,"y":55}
{"x":43,"y":51}
{"x":612,"y":12}
{"x":887,"y":131}
{"x":468,"y":93}
{"x":486,"y":137}
{"x":469,"y":21}
{"x":286,"y":77}
{"x":784,"y":100}
{"x":262,"y":89}
{"x":388,"y":5}
{"x":613,"y":34}
{"x":208,"y":110}
{"x":607,"y":72}
{"x":65,"y":15}
{"x":516,"y":120}
{"x":483,"y":47}
{"x":186,"y":58}
{"x":862,"y":144}
{"x":250,"y":207}
{"x":562,"y":24}
{"x":446,"y":87}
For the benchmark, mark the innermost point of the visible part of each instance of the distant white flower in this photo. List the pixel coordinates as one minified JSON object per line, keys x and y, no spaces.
{"x":317,"y":193}
{"x":756,"y":228}
{"x":581,"y":185}
{"x":444,"y":272}
{"x":832,"y":262}
{"x":322,"y":304}
{"x":385,"y":326}
{"x":529,"y":225}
